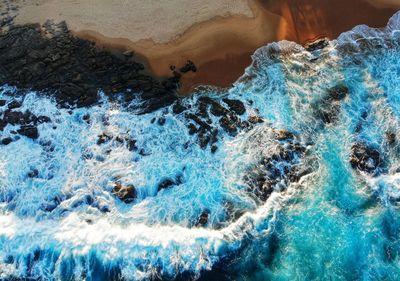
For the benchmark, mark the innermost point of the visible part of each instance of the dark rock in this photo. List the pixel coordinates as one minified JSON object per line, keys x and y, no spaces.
{"x":3,"y":124}
{"x":161,"y":121}
{"x":169,"y":182}
{"x":130,"y":143}
{"x":15,"y":117}
{"x":105,"y":209}
{"x":338,"y":93}
{"x":254,"y":119}
{"x":216,"y":108}
{"x":192,"y":129}
{"x":317,"y":44}
{"x":390,"y":138}
{"x":229,"y":124}
{"x":3,"y":102}
{"x":33,"y":174}
{"x":204,"y":140}
{"x":103,"y":138}
{"x":203,"y":125}
{"x":365,"y":158}
{"x":235,"y":105}
{"x":29,"y":131}
{"x":6,"y":141}
{"x":276,"y":170}
{"x":283,"y":135}
{"x":178,"y":108}
{"x":189,"y":66}
{"x":125,"y":193}
{"x":86,"y":118}
{"x":43,"y":119}
{"x":214,"y":149}
{"x":203,"y":219}
{"x":54,"y":62}
{"x":14,"y":104}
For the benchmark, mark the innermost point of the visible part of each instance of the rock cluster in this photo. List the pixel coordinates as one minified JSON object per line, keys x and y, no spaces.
{"x":278,"y":168}
{"x":26,"y":120}
{"x":317,"y":44}
{"x":209,"y":115}
{"x":51,"y":60}
{"x":328,"y":108}
{"x":365,"y":158}
{"x":125,"y":193}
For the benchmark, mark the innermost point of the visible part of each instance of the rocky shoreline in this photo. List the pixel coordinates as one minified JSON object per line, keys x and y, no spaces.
{"x":50,"y":60}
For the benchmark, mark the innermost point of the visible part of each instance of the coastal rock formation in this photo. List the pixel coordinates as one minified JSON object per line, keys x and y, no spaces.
{"x":125,"y":193}
{"x":277,"y":168}
{"x":365,"y":158}
{"x":210,"y":117}
{"x":51,"y":60}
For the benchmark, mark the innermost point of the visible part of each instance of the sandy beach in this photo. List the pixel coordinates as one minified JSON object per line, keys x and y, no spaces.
{"x":218,"y":36}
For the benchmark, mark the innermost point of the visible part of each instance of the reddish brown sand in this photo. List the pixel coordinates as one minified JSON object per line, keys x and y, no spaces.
{"x":222,"y":47}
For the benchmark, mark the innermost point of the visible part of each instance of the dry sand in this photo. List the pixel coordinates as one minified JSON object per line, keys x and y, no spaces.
{"x":218,"y":35}
{"x":159,"y":20}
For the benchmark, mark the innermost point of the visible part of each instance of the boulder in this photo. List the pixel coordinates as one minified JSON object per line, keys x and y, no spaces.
{"x":125,"y":193}
{"x":169,"y":182}
{"x":103,"y":138}
{"x":33,"y":174}
{"x":14,"y":104}
{"x":203,"y":219}
{"x":317,"y":44}
{"x":6,"y":141}
{"x":365,"y":158}
{"x":338,"y":92}
{"x":189,"y":66}
{"x":235,"y":105}
{"x":390,"y":138}
{"x":29,"y":131}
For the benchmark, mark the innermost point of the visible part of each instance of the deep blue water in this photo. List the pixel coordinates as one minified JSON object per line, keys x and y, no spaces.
{"x":334,"y":223}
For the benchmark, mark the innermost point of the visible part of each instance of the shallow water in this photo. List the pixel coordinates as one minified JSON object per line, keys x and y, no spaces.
{"x":335,"y":223}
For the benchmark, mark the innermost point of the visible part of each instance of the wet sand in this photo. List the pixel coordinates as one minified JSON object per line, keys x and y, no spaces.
{"x":221,"y":44}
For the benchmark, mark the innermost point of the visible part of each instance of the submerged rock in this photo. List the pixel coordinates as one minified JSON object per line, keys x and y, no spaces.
{"x":203,"y":219}
{"x":317,"y":44}
{"x":169,"y":182}
{"x":279,"y":167}
{"x":390,"y":138}
{"x":29,"y":131}
{"x":235,"y":105}
{"x":125,"y":193}
{"x":14,"y":104}
{"x":33,"y":174}
{"x":103,"y":138}
{"x":6,"y":141}
{"x":338,"y":92}
{"x":365,"y":158}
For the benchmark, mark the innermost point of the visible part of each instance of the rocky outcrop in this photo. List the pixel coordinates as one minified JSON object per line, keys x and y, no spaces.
{"x":167,"y":183}
{"x":49,"y":59}
{"x":328,"y":108}
{"x":277,"y":168}
{"x":366,"y":158}
{"x":26,"y":120}
{"x":125,"y":193}
{"x":317,"y":44}
{"x":203,"y":219}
